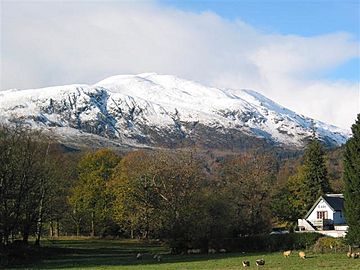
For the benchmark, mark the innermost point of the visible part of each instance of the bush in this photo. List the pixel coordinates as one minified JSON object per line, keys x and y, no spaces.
{"x":326,"y":244}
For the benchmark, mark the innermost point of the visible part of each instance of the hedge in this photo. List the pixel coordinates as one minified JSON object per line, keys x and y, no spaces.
{"x":276,"y":242}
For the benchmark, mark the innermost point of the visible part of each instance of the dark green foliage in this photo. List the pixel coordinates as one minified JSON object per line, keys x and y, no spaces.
{"x":316,"y":182}
{"x":305,"y":187}
{"x":352,"y":184}
{"x":283,"y":208}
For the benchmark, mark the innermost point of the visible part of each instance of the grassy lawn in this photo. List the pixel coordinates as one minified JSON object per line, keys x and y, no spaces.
{"x":121,"y":254}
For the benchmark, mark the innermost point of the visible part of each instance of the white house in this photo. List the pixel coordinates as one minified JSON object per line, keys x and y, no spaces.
{"x":326,"y":216}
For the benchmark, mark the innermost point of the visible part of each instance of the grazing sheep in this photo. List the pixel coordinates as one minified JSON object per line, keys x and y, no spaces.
{"x":348,"y":255}
{"x":211,"y":251}
{"x":354,"y":255}
{"x":287,"y":253}
{"x":222,"y":250}
{"x":139,"y":256}
{"x":302,"y":255}
{"x":246,"y":263}
{"x":194,"y":251}
{"x":260,"y":262}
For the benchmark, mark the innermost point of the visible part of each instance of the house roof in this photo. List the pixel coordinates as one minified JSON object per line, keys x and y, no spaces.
{"x":335,"y":202}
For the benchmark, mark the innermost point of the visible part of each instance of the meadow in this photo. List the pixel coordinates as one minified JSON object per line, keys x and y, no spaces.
{"x":121,"y":254}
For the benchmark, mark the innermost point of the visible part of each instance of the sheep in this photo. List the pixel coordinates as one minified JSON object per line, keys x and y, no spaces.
{"x":354,"y":255}
{"x":287,"y":253}
{"x":246,"y":263}
{"x":211,"y":251}
{"x":222,"y":250}
{"x":139,"y":256}
{"x":260,"y":262}
{"x":302,"y":255}
{"x":194,"y":251}
{"x":348,"y":255}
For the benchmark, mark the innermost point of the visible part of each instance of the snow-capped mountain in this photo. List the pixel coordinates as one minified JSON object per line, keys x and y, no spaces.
{"x":161,"y":110}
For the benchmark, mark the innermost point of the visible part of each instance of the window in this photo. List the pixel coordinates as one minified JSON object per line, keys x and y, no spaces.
{"x":322,"y":215}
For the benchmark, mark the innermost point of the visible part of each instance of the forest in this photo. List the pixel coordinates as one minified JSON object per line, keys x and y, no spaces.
{"x":187,"y":198}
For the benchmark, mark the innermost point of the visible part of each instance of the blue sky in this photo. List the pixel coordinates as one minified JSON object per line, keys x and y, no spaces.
{"x":302,"y":54}
{"x":291,"y":17}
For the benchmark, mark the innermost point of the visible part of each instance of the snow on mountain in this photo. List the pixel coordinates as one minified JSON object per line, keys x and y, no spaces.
{"x":160,"y":110}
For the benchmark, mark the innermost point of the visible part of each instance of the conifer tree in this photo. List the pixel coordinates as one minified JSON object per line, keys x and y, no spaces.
{"x":310,"y":181}
{"x":352,"y":184}
{"x":316,"y":182}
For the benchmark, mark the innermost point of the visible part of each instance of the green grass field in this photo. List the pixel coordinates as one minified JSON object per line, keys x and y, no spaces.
{"x":121,"y":254}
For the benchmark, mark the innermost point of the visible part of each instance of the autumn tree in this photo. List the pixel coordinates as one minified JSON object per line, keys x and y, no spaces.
{"x":159,"y":192}
{"x":179,"y":184}
{"x":248,"y":181}
{"x":352,"y":184}
{"x":135,"y":193}
{"x":91,"y":196}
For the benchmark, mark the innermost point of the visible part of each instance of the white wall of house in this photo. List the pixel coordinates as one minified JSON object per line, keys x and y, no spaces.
{"x":341,"y":227}
{"x":333,"y":233}
{"x":322,"y":206}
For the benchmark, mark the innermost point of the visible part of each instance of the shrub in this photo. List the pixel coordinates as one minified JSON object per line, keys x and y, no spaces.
{"x":326,"y":244}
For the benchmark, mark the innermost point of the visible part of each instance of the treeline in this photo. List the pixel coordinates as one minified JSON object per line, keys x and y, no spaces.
{"x":170,"y":195}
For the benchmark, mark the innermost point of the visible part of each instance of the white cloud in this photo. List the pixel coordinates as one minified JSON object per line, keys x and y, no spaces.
{"x":83,"y":42}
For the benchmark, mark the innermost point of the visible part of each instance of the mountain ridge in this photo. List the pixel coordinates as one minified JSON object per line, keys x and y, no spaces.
{"x":152,"y":110}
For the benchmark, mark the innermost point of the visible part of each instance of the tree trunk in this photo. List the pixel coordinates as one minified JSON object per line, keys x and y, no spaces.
{"x":78,"y":229}
{"x":51,"y":229}
{"x":5,"y":238}
{"x":92,"y":233}
{"x":40,"y":220}
{"x":26,"y":233}
{"x":57,"y":227}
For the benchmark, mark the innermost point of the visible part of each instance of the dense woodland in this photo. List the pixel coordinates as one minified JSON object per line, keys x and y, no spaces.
{"x":187,"y":197}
